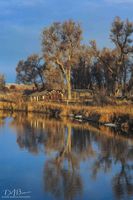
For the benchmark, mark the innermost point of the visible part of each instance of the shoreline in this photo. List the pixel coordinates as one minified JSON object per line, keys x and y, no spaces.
{"x":112,"y":116}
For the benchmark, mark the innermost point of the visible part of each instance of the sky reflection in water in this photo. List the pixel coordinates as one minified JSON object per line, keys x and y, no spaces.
{"x":57,"y":159}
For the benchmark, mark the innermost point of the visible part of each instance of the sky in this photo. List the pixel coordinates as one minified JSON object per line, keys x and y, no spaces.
{"x":22,"y":22}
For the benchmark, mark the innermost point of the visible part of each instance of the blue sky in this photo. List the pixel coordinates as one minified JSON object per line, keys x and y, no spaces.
{"x":22,"y":21}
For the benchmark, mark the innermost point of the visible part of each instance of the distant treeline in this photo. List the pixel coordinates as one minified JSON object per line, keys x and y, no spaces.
{"x":66,"y":63}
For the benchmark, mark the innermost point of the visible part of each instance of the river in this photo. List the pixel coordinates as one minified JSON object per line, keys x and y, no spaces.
{"x":57,"y":159}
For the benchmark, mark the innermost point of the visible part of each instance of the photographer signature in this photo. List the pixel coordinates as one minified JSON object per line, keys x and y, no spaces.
{"x":16,"y":193}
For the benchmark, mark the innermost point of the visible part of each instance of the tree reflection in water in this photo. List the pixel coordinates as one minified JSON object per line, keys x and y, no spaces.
{"x":2,"y":121}
{"x":119,"y":152}
{"x":2,"y":118}
{"x":61,"y":182}
{"x":71,"y":146}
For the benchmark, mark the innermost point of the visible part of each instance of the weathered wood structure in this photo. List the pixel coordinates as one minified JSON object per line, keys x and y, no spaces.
{"x":47,"y":96}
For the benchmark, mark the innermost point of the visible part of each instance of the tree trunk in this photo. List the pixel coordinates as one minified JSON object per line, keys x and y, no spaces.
{"x":36,"y":85}
{"x":124,"y":81}
{"x":69,"y":95}
{"x":42,"y":81}
{"x":69,"y":142}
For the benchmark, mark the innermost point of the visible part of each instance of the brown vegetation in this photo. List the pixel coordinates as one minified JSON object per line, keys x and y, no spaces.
{"x":107,"y":71}
{"x":91,"y":113}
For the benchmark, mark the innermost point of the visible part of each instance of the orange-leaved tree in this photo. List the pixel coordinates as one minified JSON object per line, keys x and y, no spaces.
{"x":60,"y":46}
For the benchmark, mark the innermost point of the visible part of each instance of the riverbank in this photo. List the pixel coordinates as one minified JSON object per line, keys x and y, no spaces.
{"x":118,"y":115}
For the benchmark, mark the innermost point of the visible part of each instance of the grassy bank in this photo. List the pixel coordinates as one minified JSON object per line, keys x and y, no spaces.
{"x":117,"y":113}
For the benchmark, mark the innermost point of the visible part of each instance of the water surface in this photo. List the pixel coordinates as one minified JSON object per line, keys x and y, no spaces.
{"x":58,"y":159}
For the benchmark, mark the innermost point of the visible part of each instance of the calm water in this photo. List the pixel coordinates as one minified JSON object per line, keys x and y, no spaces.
{"x":53,"y":159}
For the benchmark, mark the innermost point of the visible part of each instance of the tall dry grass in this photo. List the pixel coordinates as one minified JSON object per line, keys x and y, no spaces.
{"x":104,"y":113}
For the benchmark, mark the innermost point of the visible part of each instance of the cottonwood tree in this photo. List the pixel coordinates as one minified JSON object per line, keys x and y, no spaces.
{"x":105,"y":70}
{"x":30,"y":71}
{"x":2,"y":82}
{"x":108,"y":59}
{"x":83,"y":69}
{"x":130,"y":84}
{"x":53,"y":79}
{"x":120,"y":35}
{"x":60,"y":46}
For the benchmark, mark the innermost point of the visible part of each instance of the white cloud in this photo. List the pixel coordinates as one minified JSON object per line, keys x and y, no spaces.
{"x":119,"y":1}
{"x":7,"y":7}
{"x":7,"y":3}
{"x":29,"y":2}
